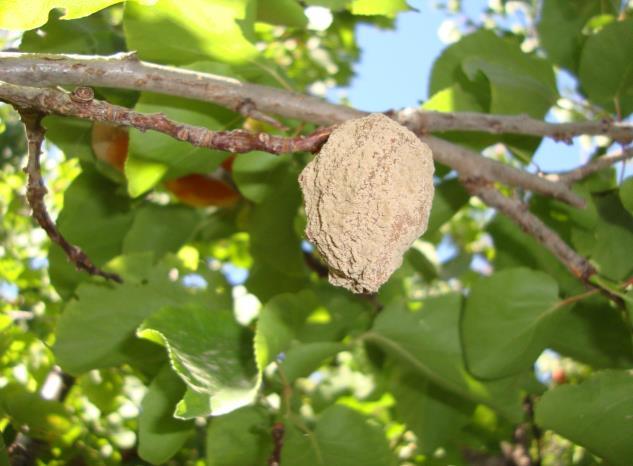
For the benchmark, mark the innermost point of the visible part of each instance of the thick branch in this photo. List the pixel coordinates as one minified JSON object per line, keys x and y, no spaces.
{"x":531,"y":224}
{"x":127,"y":72}
{"x":81,"y":104}
{"x":36,"y":191}
{"x":591,"y":167}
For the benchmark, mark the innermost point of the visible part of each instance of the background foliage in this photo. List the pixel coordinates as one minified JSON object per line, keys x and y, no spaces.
{"x":225,"y":327}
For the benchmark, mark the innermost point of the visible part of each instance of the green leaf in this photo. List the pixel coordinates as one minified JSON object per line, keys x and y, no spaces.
{"x":281,"y":12}
{"x":45,"y":420}
{"x":279,"y":322}
{"x":388,"y":8}
{"x":274,"y":244}
{"x":209,"y":350}
{"x":303,"y":359}
{"x":626,"y":194}
{"x":170,"y":31}
{"x":334,"y":5}
{"x":502,"y":322}
{"x":142,"y":174}
{"x":342,"y":437}
{"x":29,"y":14}
{"x":560,"y":28}
{"x":160,"y":435}
{"x":595,"y":414}
{"x":453,"y":99}
{"x":239,"y":438}
{"x":255,"y":174}
{"x":193,"y":405}
{"x":428,"y":343}
{"x":94,"y":35}
{"x":514,"y":248}
{"x":591,"y":332}
{"x":71,"y":136}
{"x":432,"y":414}
{"x":95,"y":218}
{"x":96,"y":330}
{"x":160,"y":229}
{"x":4,"y":454}
{"x":162,"y":151}
{"x":427,"y":268}
{"x":614,"y":227}
{"x":450,"y":196}
{"x":102,"y":389}
{"x":605,"y":72}
{"x":514,"y":81}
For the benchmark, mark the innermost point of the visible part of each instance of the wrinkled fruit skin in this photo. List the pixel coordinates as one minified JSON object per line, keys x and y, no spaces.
{"x":367,"y":194}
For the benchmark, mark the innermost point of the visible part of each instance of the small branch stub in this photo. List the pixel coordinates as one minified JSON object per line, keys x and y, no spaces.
{"x":368,"y":194}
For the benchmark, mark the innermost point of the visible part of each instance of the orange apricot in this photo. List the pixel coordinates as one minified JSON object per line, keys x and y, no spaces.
{"x":202,"y":191}
{"x":110,"y":144}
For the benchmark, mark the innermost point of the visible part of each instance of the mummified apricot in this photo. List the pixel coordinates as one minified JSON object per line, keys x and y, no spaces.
{"x":367,"y":194}
{"x":202,"y":191}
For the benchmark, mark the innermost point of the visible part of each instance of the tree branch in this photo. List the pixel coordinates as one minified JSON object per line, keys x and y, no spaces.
{"x":469,"y":164}
{"x":126,"y":71}
{"x":595,"y":165}
{"x":429,"y":122}
{"x":531,"y":224}
{"x":81,"y":104}
{"x":464,"y":161}
{"x":36,"y":191}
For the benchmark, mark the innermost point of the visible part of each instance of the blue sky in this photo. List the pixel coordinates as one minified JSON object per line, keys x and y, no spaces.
{"x":395,"y":67}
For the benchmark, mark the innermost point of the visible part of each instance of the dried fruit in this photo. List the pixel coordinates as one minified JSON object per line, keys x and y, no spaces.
{"x":367,"y":194}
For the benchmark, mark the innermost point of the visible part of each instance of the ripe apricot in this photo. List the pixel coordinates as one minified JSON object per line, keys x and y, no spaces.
{"x":110,"y":144}
{"x":202,"y":191}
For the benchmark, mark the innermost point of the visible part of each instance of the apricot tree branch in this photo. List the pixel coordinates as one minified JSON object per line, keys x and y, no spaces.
{"x":429,"y":121}
{"x":126,"y":71}
{"x":464,"y":161}
{"x":469,"y":164}
{"x":531,"y":224}
{"x":81,"y":104}
{"x":32,"y":119}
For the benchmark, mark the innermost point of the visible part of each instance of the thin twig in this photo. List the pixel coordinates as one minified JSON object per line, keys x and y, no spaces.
{"x":531,"y":224}
{"x":80,"y":104}
{"x":36,"y":191}
{"x":277,"y":433}
{"x":595,"y":165}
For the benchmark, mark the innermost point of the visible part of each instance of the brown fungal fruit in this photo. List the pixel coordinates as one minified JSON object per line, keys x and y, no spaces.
{"x":367,"y":195}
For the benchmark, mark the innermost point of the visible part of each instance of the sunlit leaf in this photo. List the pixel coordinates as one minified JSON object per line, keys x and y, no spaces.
{"x":29,"y":14}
